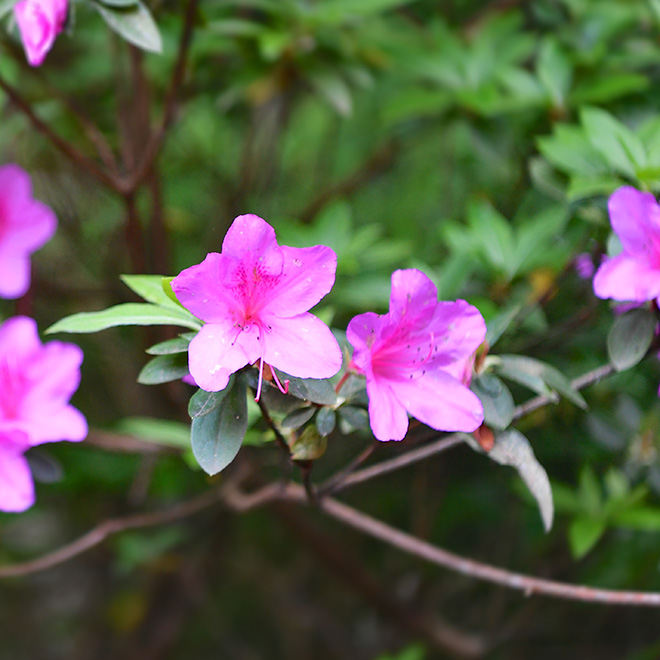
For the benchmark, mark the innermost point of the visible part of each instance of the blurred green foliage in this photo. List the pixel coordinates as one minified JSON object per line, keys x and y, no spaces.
{"x":476,"y":141}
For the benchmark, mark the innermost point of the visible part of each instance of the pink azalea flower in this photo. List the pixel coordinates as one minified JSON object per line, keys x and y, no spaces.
{"x":253,"y":298}
{"x":39,"y":22}
{"x":25,"y":225}
{"x":36,"y":383}
{"x":415,"y":357}
{"x":633,"y":275}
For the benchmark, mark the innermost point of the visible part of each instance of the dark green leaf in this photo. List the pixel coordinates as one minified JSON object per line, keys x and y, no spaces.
{"x":177,"y":345}
{"x":163,"y":369}
{"x":310,"y":389}
{"x":295,"y":419}
{"x":496,"y":399}
{"x":630,"y":337}
{"x":325,"y":421}
{"x":202,"y":402}
{"x":352,"y":419}
{"x":217,"y":436}
{"x":309,"y":446}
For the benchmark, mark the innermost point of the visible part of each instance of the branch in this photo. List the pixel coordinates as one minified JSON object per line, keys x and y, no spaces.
{"x":77,"y":157}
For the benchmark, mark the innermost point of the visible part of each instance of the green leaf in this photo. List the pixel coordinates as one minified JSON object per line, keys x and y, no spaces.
{"x":203,"y":403}
{"x":295,"y":419}
{"x":309,"y":446}
{"x":494,"y":234}
{"x":118,"y":3}
{"x":552,"y":377}
{"x":134,"y":23}
{"x":498,"y":326}
{"x":531,"y":381}
{"x":496,"y":400}
{"x":334,"y":89}
{"x":217,"y":436}
{"x":149,"y":287}
{"x":163,"y":369}
{"x":158,"y":431}
{"x":569,"y":150}
{"x":513,"y":448}
{"x":583,"y":534}
{"x":630,"y":337}
{"x":554,"y":70}
{"x":618,"y":145}
{"x":170,"y":346}
{"x":644,"y":518}
{"x":125,"y":314}
{"x":6,"y":6}
{"x":315,"y":390}
{"x":352,"y":418}
{"x":325,"y":421}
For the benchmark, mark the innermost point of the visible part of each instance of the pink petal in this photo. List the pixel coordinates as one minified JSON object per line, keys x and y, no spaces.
{"x":55,"y":372}
{"x":387,"y":417}
{"x":31,"y":225}
{"x":458,"y":330}
{"x":217,"y":351}
{"x":14,"y":274}
{"x":635,"y":218}
{"x":413,"y":297}
{"x":440,"y":401}
{"x":626,"y":278}
{"x":67,"y":423}
{"x":16,"y":486}
{"x":39,"y":22}
{"x":19,"y":337}
{"x":253,"y":239}
{"x":302,"y":346}
{"x":308,"y":274}
{"x":200,"y":289}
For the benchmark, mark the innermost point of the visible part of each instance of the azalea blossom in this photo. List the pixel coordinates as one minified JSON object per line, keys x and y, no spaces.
{"x":253,"y":298}
{"x":36,"y":383}
{"x":416,"y":359}
{"x":634,"y":274}
{"x":39,"y":22}
{"x":25,"y":225}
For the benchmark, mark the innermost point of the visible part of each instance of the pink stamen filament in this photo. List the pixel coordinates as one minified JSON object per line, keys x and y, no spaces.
{"x":285,"y":389}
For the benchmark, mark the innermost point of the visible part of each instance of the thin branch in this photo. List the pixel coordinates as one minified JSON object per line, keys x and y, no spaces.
{"x":77,"y":157}
{"x":578,"y":383}
{"x":155,"y":143}
{"x":334,"y":484}
{"x":109,"y":528}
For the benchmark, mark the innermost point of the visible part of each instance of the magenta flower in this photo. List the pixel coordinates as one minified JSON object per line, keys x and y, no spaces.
{"x":25,"y":225}
{"x":634,"y":274}
{"x":39,"y":22}
{"x":36,"y":383}
{"x":253,"y":298}
{"x":407,"y":354}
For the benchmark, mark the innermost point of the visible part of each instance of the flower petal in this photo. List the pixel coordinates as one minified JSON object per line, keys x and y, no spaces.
{"x":67,"y":423}
{"x":252,"y":239}
{"x":387,"y":416}
{"x":19,"y":337}
{"x":441,"y":402}
{"x":16,"y":486}
{"x":14,"y":274}
{"x":31,"y":225}
{"x":458,"y":330}
{"x":308,"y":274}
{"x":217,"y":351}
{"x":55,"y":372}
{"x":626,"y":278}
{"x":360,"y":333}
{"x":302,"y":346}
{"x":635,"y":218}
{"x":413,"y":297}
{"x":200,"y":289}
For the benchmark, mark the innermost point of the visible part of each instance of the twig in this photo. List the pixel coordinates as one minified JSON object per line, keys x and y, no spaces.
{"x":332,"y":484}
{"x":77,"y":157}
{"x":578,"y":383}
{"x":108,"y":528}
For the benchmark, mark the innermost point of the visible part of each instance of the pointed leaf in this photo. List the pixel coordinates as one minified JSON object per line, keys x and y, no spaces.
{"x":217,"y":436}
{"x":170,"y":346}
{"x":583,"y":534}
{"x":163,"y":369}
{"x":294,"y":420}
{"x":325,"y":421}
{"x":203,"y":403}
{"x":496,"y":400}
{"x":630,"y":337}
{"x":125,"y":314}
{"x":316,"y":390}
{"x":149,"y":287}
{"x":134,"y":23}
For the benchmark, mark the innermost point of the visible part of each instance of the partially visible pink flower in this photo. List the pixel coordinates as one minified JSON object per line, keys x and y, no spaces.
{"x":253,"y":298}
{"x":415,"y":357}
{"x":633,"y":275}
{"x":39,"y":22}
{"x":584,"y":265}
{"x":25,"y":225}
{"x":462,"y":369}
{"x":36,"y":383}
